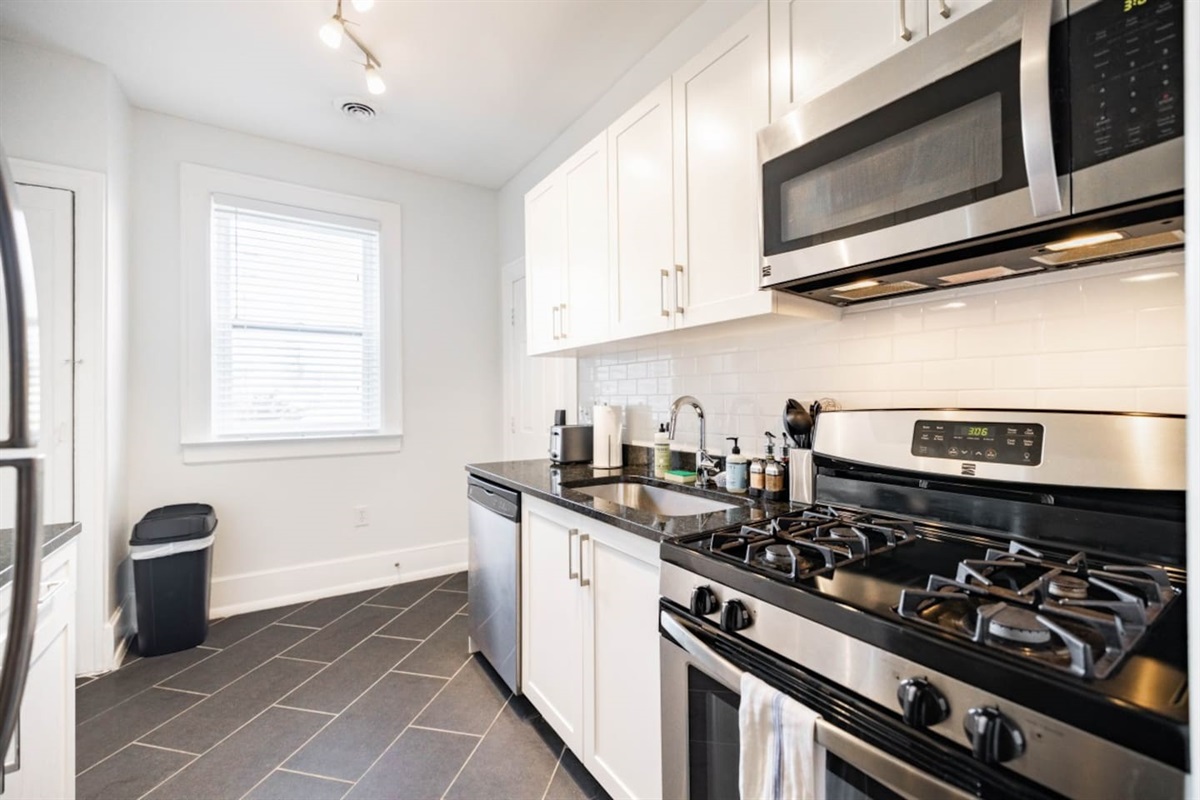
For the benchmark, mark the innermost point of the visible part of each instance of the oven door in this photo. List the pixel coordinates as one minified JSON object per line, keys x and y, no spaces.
{"x":866,"y":755}
{"x":952,"y":139}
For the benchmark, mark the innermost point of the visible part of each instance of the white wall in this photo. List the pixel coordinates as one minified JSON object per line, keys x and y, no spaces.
{"x":1104,"y":338}
{"x":286,"y":526}
{"x":65,"y":111}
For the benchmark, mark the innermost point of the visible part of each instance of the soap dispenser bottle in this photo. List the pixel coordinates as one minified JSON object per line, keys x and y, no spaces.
{"x":662,"y":452}
{"x":737,"y":469}
{"x":778,"y":486}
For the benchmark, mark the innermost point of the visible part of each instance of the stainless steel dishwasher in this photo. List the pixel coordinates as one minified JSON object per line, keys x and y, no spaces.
{"x":493,"y":576}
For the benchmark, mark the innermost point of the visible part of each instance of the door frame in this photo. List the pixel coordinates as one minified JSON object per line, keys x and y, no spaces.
{"x":98,"y":631}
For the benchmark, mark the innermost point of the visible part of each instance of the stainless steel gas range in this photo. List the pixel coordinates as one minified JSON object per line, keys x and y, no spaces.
{"x":982,"y":604}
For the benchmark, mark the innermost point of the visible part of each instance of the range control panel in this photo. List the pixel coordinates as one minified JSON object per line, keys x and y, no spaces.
{"x":996,"y":442}
{"x":1126,"y":77}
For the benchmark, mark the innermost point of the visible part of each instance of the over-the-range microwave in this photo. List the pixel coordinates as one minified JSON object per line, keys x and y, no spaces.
{"x":1030,"y":135}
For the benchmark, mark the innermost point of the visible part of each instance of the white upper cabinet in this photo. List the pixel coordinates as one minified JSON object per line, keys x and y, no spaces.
{"x":585,"y":300}
{"x":641,"y":217}
{"x":721,"y":100}
{"x":818,"y":44}
{"x":947,"y":12}
{"x":545,"y":257}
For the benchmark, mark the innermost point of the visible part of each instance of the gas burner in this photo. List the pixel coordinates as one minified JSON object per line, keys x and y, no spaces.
{"x":841,"y":532}
{"x":1067,"y":586}
{"x":1019,"y":625}
{"x":1060,"y":612}
{"x":777,"y":555}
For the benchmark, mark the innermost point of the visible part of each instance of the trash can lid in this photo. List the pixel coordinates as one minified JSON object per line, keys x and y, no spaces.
{"x":175,"y":523}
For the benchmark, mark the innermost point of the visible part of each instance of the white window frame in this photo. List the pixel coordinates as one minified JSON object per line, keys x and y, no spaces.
{"x":198,"y":185}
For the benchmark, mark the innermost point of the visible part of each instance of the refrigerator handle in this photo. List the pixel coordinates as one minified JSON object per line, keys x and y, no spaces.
{"x":20,"y":299}
{"x":22,"y":618}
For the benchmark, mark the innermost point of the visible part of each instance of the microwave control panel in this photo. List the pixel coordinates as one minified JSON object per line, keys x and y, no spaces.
{"x":996,"y":442}
{"x":1126,"y":77}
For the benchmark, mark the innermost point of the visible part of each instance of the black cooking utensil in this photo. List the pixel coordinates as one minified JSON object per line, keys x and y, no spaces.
{"x":793,"y":421}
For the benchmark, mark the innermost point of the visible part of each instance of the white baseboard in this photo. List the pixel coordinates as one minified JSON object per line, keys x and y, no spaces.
{"x":118,"y":630}
{"x":254,"y":591}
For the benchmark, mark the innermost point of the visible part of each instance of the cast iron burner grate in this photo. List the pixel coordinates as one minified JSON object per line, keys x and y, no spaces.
{"x":1061,"y":613}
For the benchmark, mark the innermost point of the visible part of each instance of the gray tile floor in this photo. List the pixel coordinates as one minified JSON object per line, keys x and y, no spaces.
{"x":367,"y":695}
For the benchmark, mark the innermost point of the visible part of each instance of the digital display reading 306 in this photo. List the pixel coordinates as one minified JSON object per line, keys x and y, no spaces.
{"x":997,"y":442}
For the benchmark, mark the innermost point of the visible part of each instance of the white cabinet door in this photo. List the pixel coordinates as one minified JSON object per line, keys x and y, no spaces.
{"x":947,"y":12}
{"x":46,"y":735}
{"x":641,"y":252}
{"x":552,"y":615}
{"x":722,"y":99}
{"x":817,"y":44}
{"x":545,"y":259}
{"x":585,"y":299}
{"x":623,"y":741}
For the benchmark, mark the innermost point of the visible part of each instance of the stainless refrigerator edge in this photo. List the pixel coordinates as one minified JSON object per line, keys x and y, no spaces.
{"x":18,"y":440}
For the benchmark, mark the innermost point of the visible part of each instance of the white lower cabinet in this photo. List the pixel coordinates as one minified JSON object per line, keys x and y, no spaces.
{"x":589,"y":599}
{"x":44,"y":747}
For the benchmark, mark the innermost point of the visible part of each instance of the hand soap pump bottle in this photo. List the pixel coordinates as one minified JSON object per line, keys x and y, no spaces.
{"x":737,"y":469}
{"x":662,"y":452}
{"x":775,"y":475}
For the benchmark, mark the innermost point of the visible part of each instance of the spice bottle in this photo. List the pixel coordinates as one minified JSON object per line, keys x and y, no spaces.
{"x":776,"y":476}
{"x":757,"y":477}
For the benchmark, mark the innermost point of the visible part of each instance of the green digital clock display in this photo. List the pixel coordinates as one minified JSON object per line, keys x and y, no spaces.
{"x":973,"y":431}
{"x":1130,"y":5}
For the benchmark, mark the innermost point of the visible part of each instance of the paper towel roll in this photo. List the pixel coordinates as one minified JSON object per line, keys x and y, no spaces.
{"x":606,"y":437}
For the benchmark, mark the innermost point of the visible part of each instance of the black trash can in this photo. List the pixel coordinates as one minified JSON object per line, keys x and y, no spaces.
{"x":171,"y":550}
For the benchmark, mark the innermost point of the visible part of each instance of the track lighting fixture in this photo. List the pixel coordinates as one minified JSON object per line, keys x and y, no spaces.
{"x":335,"y":28}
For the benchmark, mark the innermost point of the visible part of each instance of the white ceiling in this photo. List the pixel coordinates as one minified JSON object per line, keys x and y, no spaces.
{"x":475,"y":88}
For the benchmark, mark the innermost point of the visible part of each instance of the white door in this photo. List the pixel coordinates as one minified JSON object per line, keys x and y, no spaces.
{"x":585,"y":183}
{"x":552,"y":613}
{"x":621,"y":678}
{"x":947,"y":12}
{"x":49,"y":217}
{"x":817,"y":44}
{"x":722,"y":99}
{"x":641,"y":251}
{"x":533,"y":386}
{"x":545,"y":262}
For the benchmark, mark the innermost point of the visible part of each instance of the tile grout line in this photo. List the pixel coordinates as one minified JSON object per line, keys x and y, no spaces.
{"x":335,"y":716}
{"x":181,"y":691}
{"x":309,"y":710}
{"x":475,"y":749}
{"x":415,"y":716}
{"x":160,"y":747}
{"x":294,"y":625}
{"x":312,"y":775}
{"x":390,"y":636}
{"x":441,"y":730}
{"x":310,"y":660}
{"x":553,"y":772}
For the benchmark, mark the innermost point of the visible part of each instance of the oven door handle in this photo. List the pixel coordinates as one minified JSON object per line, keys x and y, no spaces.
{"x":717,"y":667}
{"x":1037,"y":136}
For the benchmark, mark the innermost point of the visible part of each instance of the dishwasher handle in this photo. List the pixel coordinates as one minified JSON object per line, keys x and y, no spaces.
{"x":495,"y":498}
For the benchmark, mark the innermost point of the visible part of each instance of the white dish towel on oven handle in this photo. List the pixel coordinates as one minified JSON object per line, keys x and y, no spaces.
{"x":779,"y":757}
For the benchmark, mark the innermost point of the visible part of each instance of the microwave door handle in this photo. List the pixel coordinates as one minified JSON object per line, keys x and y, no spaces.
{"x":20,"y":301}
{"x":712,"y":663}
{"x":1037,"y":135}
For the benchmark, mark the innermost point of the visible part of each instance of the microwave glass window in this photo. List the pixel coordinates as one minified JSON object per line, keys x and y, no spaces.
{"x":956,"y":152}
{"x":713,"y":739}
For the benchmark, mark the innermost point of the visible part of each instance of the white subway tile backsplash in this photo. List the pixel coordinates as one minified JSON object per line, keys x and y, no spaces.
{"x":1100,"y":339}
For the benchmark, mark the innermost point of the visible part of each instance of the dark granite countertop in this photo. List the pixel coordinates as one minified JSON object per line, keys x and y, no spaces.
{"x":551,"y":482}
{"x":54,"y":537}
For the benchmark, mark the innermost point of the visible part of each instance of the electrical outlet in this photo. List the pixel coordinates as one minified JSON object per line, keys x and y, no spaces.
{"x":361,"y":517}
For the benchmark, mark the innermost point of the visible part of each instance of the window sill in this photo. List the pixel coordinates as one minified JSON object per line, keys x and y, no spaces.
{"x":226,"y":450}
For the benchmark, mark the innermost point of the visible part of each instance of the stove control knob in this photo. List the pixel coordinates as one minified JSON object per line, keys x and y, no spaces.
{"x":734,"y":616}
{"x":921,"y":703}
{"x":994,"y":737}
{"x":704,"y":601}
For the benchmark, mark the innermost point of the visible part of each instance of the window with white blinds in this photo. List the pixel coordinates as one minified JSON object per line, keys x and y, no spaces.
{"x":295,"y":316}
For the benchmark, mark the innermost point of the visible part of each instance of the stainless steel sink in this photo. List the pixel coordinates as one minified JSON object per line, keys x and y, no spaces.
{"x":657,"y":500}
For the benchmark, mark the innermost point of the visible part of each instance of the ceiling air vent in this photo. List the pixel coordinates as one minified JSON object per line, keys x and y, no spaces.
{"x":355,"y":109}
{"x":870,"y":290}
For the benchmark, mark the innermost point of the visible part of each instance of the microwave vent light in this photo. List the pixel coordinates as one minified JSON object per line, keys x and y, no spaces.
{"x":1113,"y":249}
{"x":871,"y":290}
{"x":985,"y":274}
{"x":851,"y":287}
{"x":1085,"y":241}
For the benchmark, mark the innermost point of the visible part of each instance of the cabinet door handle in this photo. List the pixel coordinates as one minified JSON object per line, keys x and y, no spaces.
{"x":572,"y":574}
{"x":554,"y":322}
{"x":905,"y":31}
{"x":582,"y":580}
{"x":562,"y":319}
{"x":679,"y":288}
{"x":944,"y":9}
{"x":664,"y":275}
{"x":49,"y":589}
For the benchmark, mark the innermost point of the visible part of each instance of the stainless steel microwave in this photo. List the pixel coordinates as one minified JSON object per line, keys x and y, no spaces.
{"x":1030,"y":135}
